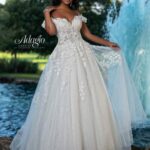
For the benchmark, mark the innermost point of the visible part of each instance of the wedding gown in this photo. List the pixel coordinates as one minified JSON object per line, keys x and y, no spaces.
{"x":72,"y":108}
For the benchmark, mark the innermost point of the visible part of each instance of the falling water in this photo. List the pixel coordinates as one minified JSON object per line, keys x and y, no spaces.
{"x":131,"y":30}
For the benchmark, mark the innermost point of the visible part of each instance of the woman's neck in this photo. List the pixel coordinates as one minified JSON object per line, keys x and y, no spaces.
{"x":63,"y":6}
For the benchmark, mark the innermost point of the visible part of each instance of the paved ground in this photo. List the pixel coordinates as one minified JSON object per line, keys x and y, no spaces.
{"x":5,"y":142}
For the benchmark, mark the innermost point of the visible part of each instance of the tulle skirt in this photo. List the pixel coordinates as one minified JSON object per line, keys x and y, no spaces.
{"x":73,"y":109}
{"x":124,"y":97}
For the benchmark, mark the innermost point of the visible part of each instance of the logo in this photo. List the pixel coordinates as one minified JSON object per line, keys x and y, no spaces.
{"x":27,"y":41}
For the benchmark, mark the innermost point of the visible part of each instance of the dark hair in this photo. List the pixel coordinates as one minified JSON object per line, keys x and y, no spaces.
{"x":75,"y":3}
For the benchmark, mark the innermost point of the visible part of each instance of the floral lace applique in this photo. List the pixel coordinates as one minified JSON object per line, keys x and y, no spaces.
{"x":82,"y":90}
{"x":83,"y":18}
{"x":109,"y":59}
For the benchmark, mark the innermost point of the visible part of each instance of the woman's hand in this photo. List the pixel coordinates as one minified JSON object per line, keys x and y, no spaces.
{"x":88,"y":35}
{"x":114,"y":46}
{"x":48,"y":9}
{"x":49,"y":25}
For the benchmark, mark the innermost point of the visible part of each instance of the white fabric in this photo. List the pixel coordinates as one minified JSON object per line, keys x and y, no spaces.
{"x":120,"y":84}
{"x":123,"y":93}
{"x":71,"y":108}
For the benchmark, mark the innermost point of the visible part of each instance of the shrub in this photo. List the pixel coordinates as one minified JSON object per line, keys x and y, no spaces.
{"x":18,"y":66}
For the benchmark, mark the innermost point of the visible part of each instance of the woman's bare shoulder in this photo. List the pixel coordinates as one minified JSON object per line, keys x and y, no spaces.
{"x":60,"y":14}
{"x":56,"y":13}
{"x":77,"y":11}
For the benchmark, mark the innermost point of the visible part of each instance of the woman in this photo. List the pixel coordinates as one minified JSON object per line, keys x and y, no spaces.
{"x":71,"y":108}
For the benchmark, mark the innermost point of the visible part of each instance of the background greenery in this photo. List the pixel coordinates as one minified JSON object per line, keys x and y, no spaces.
{"x":20,"y":17}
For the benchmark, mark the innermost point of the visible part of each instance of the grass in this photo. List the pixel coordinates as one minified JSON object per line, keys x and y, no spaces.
{"x":32,"y":57}
{"x":20,"y":75}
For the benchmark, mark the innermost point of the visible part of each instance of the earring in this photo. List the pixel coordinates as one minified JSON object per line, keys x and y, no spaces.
{"x":71,"y":4}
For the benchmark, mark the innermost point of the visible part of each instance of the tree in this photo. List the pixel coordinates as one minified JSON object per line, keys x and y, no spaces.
{"x":22,"y":18}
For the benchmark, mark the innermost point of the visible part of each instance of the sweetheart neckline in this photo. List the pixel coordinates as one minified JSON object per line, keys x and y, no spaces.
{"x":70,"y":22}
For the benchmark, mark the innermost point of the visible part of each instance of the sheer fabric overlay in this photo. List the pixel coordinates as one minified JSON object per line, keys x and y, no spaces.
{"x":74,"y":106}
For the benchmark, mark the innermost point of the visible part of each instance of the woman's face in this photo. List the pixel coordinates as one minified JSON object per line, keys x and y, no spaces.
{"x":66,"y":2}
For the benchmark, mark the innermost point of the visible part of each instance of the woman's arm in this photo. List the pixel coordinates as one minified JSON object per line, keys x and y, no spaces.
{"x":88,"y":35}
{"x":49,"y":25}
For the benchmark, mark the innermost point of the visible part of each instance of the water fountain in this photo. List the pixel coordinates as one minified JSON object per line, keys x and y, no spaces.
{"x":131,"y":30}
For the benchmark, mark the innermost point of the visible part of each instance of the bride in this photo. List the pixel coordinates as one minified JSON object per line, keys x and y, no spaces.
{"x":76,"y":105}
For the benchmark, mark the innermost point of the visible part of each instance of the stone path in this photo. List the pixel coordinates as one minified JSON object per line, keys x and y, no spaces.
{"x":5,"y":142}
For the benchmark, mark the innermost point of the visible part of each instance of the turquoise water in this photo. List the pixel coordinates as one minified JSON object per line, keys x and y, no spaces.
{"x":131,"y":30}
{"x":142,"y":137}
{"x":15,"y":100}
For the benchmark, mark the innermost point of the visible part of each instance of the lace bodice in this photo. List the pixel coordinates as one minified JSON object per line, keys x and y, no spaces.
{"x":68,"y":31}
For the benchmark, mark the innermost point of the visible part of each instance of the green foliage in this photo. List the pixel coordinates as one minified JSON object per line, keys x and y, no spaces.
{"x":21,"y":17}
{"x":19,"y":66}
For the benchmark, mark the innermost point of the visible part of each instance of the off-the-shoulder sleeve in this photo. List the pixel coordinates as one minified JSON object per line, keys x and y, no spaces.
{"x":43,"y":24}
{"x":84,"y":19}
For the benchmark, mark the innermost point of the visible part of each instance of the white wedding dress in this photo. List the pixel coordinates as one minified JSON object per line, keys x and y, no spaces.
{"x":72,"y":108}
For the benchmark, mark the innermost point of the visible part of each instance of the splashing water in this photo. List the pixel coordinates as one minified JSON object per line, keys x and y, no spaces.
{"x":131,"y":30}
